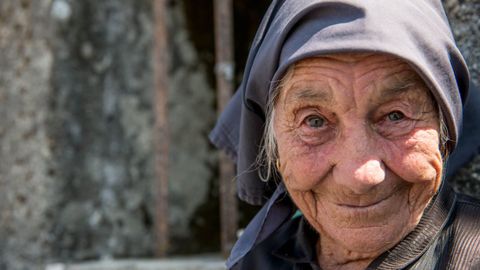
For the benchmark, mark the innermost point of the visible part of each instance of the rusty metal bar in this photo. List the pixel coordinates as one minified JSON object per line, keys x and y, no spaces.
{"x":161,"y":130}
{"x":224,"y":67}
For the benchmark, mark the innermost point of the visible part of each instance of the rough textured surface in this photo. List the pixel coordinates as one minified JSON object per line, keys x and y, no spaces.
{"x":464,"y":16}
{"x":192,"y":115}
{"x":76,"y":88}
{"x":467,"y":179}
{"x":102,"y":127}
{"x":464,"y":19}
{"x":27,"y":184}
{"x":103,"y":87}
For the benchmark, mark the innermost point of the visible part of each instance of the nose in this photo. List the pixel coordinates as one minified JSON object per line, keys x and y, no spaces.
{"x":359,"y":165}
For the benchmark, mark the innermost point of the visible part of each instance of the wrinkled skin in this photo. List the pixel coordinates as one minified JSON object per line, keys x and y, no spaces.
{"x":358,"y":148}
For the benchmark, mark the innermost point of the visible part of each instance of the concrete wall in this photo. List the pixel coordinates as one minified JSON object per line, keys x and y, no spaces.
{"x":76,"y":90}
{"x":101,"y":127}
{"x":102,"y":80}
{"x":27,"y":186}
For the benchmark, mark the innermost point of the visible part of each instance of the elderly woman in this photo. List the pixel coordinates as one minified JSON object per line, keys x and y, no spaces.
{"x":344,"y":120}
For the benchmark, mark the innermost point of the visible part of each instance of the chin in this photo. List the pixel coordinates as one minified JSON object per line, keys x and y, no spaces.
{"x":370,"y":239}
{"x":364,"y":238}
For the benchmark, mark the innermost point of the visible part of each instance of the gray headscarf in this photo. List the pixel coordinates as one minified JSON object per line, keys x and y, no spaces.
{"x":416,"y":31}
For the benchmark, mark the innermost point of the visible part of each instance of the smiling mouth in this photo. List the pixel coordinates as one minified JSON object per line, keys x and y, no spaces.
{"x":364,"y":206}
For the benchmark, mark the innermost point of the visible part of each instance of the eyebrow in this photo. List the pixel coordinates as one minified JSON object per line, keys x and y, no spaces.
{"x":398,"y":88}
{"x":324,"y":95}
{"x":309,"y":94}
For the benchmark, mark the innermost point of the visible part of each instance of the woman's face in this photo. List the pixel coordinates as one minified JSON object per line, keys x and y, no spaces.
{"x":358,"y":146}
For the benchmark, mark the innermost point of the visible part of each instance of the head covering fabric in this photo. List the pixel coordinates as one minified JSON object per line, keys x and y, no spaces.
{"x":416,"y":31}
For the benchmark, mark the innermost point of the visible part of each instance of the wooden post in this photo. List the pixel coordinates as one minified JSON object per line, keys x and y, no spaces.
{"x":161,"y":129}
{"x":224,"y":67}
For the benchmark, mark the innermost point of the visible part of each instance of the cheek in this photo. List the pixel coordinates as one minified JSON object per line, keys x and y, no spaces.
{"x":303,"y":167}
{"x":417,"y":159}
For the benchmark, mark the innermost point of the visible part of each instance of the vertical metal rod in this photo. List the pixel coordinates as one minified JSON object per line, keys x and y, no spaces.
{"x":161,"y":130}
{"x":224,"y":67}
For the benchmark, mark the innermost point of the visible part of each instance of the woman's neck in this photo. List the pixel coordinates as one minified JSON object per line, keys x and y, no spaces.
{"x":332,"y":256}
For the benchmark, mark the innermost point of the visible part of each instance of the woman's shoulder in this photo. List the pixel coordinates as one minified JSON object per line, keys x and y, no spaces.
{"x":466,"y":216}
{"x":464,"y":233}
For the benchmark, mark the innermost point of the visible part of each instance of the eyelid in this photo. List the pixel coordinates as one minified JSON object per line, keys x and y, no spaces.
{"x":383,"y":111}
{"x":396,"y":128}
{"x":383,"y":116}
{"x":303,"y":112}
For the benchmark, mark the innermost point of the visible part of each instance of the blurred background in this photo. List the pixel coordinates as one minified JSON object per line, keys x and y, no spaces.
{"x":104,"y":102}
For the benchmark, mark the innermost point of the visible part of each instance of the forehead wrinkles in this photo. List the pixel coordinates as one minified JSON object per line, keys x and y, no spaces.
{"x":379,"y":68}
{"x":310,"y":75}
{"x":357,"y":72}
{"x":384,"y":74}
{"x":357,"y":64}
{"x":389,"y":81}
{"x":354,"y":66}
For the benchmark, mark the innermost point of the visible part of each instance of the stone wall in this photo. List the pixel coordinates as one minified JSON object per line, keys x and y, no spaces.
{"x":192,"y":158}
{"x":464,"y":16}
{"x":76,"y":91}
{"x":102,"y":80}
{"x":101,"y":127}
{"x":27,"y":185}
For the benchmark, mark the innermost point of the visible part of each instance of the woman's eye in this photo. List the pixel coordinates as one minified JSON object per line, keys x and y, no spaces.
{"x":315,"y":121}
{"x":395,"y":116}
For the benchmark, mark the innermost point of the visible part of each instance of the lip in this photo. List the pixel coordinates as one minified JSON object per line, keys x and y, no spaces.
{"x":365,"y":206}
